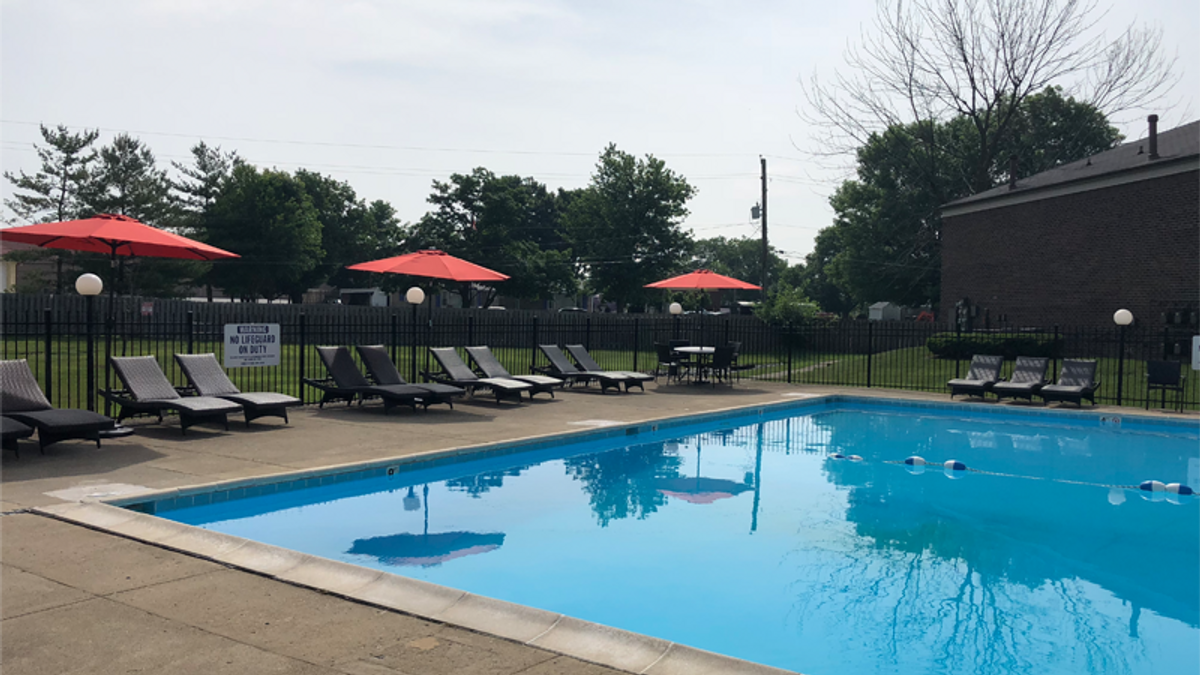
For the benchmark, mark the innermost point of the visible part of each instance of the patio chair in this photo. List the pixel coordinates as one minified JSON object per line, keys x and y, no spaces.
{"x":669,"y":363}
{"x":685,"y":359}
{"x":347,"y":383}
{"x":561,"y":366}
{"x":738,"y":367}
{"x":490,"y":366}
{"x":1165,"y":376}
{"x":984,"y":372}
{"x":208,"y":379}
{"x":147,"y":391}
{"x":1076,"y":382}
{"x":12,"y":431}
{"x":22,"y":401}
{"x":456,"y":372}
{"x":1028,"y":376}
{"x":720,"y":366}
{"x":589,"y":365}
{"x":383,"y":371}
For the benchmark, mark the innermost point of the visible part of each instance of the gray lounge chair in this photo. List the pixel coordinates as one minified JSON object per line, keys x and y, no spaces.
{"x":22,"y":401}
{"x":984,"y":372}
{"x":490,"y":366}
{"x":12,"y":431}
{"x":147,"y":391}
{"x":561,"y":366}
{"x":381,"y":369}
{"x":347,"y":383}
{"x":1028,"y":376}
{"x":209,"y":379}
{"x":589,"y":365}
{"x":1076,"y":382}
{"x":455,"y":372}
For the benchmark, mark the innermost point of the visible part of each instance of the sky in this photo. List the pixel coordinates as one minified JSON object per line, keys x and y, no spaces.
{"x":390,"y":95}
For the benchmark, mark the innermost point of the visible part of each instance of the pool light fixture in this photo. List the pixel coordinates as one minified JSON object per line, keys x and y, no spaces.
{"x":415,"y":295}
{"x":89,"y":284}
{"x":675,"y":308}
{"x":1122,"y":317}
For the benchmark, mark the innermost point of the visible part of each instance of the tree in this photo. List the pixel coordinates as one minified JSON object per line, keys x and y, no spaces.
{"x":53,"y":193}
{"x":739,"y":257}
{"x":197,"y":190}
{"x":625,"y":226}
{"x":888,"y":220}
{"x":127,"y":181}
{"x":507,"y":223}
{"x":268,"y":218}
{"x":930,"y":61}
{"x":814,"y":279}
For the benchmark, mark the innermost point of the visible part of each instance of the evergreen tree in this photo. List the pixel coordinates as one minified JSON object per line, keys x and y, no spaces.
{"x":54,"y":192}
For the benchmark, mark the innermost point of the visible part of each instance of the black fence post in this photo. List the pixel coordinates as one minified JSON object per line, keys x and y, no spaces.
{"x":394,"y":329}
{"x":471,"y":331}
{"x":587,"y":335}
{"x":91,"y":354}
{"x":787,"y":340}
{"x":870,"y":349}
{"x":412,"y":347}
{"x":303,"y":343}
{"x":957,"y":347}
{"x":1057,"y":351}
{"x":635,"y":344}
{"x":191,"y":325}
{"x":1120,"y":365}
{"x":48,"y":319}
{"x":533,"y":345}
{"x":726,"y":331}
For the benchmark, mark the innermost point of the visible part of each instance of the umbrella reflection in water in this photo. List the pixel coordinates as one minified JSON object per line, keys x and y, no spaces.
{"x":425,"y":550}
{"x":698,"y":490}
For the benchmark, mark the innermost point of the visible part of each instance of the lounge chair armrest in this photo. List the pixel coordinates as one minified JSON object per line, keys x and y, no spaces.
{"x":323,"y":384}
{"x":121,"y":396}
{"x":438,"y":377}
{"x":187,"y":391}
{"x":541,"y":370}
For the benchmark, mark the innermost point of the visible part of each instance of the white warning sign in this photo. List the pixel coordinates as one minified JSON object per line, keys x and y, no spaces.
{"x":251,"y":344}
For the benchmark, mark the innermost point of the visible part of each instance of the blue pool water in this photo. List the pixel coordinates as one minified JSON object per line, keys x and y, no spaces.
{"x":746,"y":537}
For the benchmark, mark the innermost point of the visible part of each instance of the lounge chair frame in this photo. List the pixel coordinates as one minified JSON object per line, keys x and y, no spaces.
{"x":456,"y":372}
{"x":347,"y":383}
{"x":23,"y":402}
{"x":1077,"y":381}
{"x":207,"y":378}
{"x":588,"y":365}
{"x":383,"y":372}
{"x":1028,"y":376}
{"x":561,"y":367}
{"x":487,"y":364}
{"x":148,"y":392}
{"x":984,"y":372}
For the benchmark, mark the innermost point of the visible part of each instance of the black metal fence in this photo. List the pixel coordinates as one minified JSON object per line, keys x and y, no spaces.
{"x":52,"y":333}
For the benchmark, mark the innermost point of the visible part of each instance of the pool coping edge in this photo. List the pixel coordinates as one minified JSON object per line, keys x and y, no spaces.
{"x":557,"y":633}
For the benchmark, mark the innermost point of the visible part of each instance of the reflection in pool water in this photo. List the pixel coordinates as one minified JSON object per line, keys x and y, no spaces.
{"x":753,"y":541}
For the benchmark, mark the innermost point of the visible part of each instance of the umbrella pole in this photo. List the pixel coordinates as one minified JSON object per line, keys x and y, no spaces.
{"x":108,"y":329}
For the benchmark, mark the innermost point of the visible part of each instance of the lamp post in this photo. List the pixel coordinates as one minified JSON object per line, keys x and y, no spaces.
{"x":415,"y":296}
{"x":676,"y":309}
{"x":1121,"y":317}
{"x":89,"y":286}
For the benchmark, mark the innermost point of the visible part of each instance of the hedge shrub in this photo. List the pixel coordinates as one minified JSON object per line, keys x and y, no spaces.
{"x":1008,"y":345}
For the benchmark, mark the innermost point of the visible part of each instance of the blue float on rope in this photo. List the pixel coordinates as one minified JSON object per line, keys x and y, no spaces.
{"x":838,"y":455}
{"x":1152,"y":486}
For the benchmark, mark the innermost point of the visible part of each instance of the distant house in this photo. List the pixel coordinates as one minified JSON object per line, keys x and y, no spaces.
{"x":1071,"y":245}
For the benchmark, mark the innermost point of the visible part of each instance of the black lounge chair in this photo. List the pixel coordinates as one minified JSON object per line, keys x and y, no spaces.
{"x":455,"y":372}
{"x":1028,"y":376}
{"x":209,"y":379}
{"x":347,"y":383}
{"x":12,"y":431}
{"x":147,"y":391}
{"x":490,"y":366}
{"x":1076,"y":382}
{"x":22,"y":401}
{"x":985,"y":372}
{"x":589,"y":365}
{"x":381,"y":369}
{"x":1164,"y":376}
{"x":561,"y":366}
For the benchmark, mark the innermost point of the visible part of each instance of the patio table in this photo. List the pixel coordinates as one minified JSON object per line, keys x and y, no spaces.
{"x":702,"y":354}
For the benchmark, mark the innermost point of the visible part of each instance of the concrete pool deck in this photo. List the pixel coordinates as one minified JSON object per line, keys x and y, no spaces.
{"x":80,"y":600}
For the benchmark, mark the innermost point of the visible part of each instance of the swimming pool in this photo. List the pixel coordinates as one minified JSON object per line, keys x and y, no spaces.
{"x":747,"y":536}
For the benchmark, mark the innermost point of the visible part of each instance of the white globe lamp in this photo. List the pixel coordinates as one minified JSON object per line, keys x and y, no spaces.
{"x":89,"y":284}
{"x":1122,"y":317}
{"x":415,"y":296}
{"x":675,"y":309}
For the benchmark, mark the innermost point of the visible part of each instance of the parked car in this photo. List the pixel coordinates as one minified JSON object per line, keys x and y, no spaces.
{"x":570,"y":309}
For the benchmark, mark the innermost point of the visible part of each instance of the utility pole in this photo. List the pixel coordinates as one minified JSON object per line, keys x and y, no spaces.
{"x":765,"y":250}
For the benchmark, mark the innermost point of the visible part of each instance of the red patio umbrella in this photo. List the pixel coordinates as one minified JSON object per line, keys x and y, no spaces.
{"x":703,"y":280}
{"x":114,"y":235}
{"x":431,"y":263}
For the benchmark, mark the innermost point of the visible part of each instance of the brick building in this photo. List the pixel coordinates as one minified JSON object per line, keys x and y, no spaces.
{"x":1071,"y":245}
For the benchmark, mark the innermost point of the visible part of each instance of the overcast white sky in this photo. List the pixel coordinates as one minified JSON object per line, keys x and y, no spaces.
{"x":389,"y":95}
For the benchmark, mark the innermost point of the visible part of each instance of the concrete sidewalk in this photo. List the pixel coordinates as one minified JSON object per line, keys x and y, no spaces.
{"x":76,"y":600}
